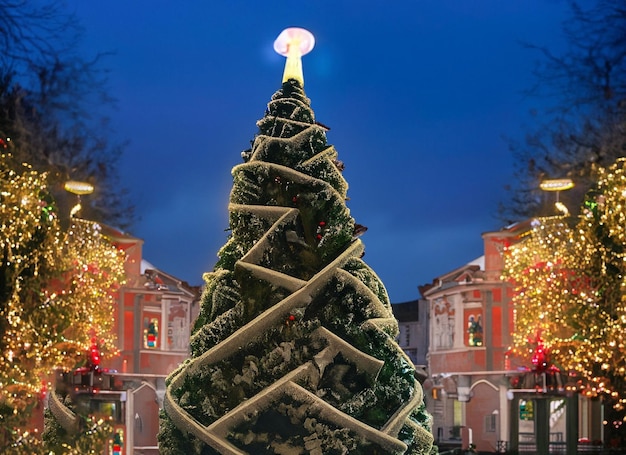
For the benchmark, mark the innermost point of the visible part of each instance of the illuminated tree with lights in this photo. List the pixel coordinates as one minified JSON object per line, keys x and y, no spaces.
{"x":30,"y":244}
{"x":570,"y":289}
{"x":54,"y":295}
{"x":93,"y":269}
{"x":602,"y":322}
{"x":294,"y":350}
{"x":548,"y":282}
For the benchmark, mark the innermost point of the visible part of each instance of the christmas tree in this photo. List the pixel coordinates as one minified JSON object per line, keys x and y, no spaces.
{"x":570,"y":291}
{"x":600,"y":325}
{"x":548,"y":281}
{"x":55,"y":294}
{"x":294,"y":349}
{"x":29,"y":244}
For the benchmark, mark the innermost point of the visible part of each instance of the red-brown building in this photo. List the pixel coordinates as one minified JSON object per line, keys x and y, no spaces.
{"x":475,"y":396}
{"x":154,"y":313}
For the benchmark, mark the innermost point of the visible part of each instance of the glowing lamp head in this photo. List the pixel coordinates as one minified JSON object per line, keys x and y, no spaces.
{"x":556,"y":184}
{"x":293,"y":43}
{"x":294,"y":39}
{"x":79,"y":188}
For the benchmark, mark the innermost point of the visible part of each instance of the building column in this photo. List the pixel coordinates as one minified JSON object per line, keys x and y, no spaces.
{"x":129,"y":423}
{"x":514,"y":424}
{"x":571,"y":425}
{"x":487,"y":336}
{"x":138,"y":333}
{"x":504,"y":414}
{"x":459,"y":323}
{"x":596,"y":419}
{"x":542,"y":425}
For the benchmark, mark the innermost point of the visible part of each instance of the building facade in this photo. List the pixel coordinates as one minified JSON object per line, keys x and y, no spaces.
{"x":480,"y":396}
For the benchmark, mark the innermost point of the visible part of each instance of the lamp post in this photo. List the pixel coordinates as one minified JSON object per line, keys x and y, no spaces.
{"x":79,"y":189}
{"x":571,"y":399}
{"x":556,"y":186}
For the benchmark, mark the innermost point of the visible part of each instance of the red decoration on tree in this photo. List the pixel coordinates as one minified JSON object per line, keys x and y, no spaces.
{"x":44,"y":389}
{"x":540,"y":357}
{"x":93,"y":360}
{"x":320,"y":229}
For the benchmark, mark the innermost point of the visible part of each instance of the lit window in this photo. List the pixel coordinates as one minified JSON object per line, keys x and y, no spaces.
{"x":475,"y":330}
{"x":151,"y":333}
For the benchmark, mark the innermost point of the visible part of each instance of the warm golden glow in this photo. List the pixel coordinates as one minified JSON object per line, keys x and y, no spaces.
{"x":293,"y":43}
{"x":570,"y":288}
{"x":78,"y":188}
{"x":561,"y":208}
{"x":59,"y":289}
{"x":77,"y":208}
{"x":556,"y":184}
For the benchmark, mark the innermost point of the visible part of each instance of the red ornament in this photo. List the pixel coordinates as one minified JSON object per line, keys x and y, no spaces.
{"x":320,"y":228}
{"x":44,"y":389}
{"x":94,"y":356}
{"x":540,"y":357}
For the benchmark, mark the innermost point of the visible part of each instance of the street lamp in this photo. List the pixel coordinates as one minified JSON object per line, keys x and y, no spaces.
{"x":557,"y":185}
{"x":79,"y":189}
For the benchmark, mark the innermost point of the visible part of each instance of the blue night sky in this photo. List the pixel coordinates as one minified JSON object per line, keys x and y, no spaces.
{"x":420,"y":96}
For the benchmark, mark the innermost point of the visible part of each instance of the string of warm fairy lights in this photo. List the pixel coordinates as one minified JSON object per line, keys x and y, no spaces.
{"x":93,"y":271}
{"x":29,"y":243}
{"x":603,"y":324}
{"x":58,"y":289}
{"x":570,"y":290}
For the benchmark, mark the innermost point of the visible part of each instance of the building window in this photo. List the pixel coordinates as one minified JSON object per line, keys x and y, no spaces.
{"x":177,"y":325}
{"x":475,"y":330}
{"x":167,"y":327}
{"x":151,"y":333}
{"x":458,"y":413}
{"x":491,"y":422}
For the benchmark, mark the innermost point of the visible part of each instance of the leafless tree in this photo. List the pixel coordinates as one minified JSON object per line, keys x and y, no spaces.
{"x":585,"y":123}
{"x":54,"y":108}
